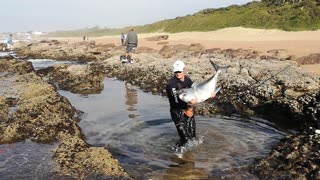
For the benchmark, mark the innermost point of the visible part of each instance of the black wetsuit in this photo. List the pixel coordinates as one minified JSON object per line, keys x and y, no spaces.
{"x":185,"y":125}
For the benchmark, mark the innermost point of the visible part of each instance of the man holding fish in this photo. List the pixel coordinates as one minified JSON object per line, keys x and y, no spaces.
{"x":183,"y":94}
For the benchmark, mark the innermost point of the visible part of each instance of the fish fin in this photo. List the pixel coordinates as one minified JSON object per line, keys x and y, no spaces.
{"x":219,"y":68}
{"x":194,"y":84}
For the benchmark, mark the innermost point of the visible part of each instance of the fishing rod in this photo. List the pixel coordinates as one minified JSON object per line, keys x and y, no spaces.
{"x":247,"y":89}
{"x":272,"y":76}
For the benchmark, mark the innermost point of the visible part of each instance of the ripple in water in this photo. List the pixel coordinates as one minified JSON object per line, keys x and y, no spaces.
{"x":136,"y":127}
{"x":26,"y":160}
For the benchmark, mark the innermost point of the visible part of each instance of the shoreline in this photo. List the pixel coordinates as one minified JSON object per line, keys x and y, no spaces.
{"x":295,"y":44}
{"x":299,"y":43}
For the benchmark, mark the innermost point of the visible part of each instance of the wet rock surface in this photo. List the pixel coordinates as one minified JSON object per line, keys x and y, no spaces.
{"x":32,"y":109}
{"x":62,"y":50}
{"x":270,"y":86}
{"x":295,"y":157}
{"x":250,"y":87}
{"x":82,"y":79}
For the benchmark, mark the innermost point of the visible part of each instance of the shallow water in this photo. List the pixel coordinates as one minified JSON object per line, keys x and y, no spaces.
{"x":2,"y":54}
{"x":26,"y":160}
{"x":137,"y":129}
{"x":43,"y":63}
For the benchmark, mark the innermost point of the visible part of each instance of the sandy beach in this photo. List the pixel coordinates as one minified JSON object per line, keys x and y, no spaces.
{"x":298,"y":44}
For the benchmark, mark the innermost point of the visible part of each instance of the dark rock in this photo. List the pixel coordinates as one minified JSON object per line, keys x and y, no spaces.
{"x":296,"y":157}
{"x":16,"y":67}
{"x":310,"y":59}
{"x":158,"y":38}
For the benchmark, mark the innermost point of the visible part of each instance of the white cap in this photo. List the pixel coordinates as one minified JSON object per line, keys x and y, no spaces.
{"x":178,"y":66}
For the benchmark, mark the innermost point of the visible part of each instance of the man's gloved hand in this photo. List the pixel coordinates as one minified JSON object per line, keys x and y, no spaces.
{"x":189,"y":112}
{"x":193,"y":102}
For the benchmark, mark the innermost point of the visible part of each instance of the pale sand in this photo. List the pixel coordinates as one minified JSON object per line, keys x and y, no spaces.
{"x":299,"y":44}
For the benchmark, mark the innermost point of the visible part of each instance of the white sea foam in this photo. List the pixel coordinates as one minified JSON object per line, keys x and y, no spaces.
{"x":188,"y":146}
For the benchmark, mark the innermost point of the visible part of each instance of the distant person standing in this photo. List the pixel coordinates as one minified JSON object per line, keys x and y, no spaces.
{"x":9,"y":42}
{"x":123,"y":37}
{"x":131,"y":44}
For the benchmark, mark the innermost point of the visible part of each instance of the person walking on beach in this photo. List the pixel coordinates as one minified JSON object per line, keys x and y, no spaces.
{"x":9,"y":42}
{"x":131,"y":44}
{"x":181,"y":112}
{"x":123,"y":37}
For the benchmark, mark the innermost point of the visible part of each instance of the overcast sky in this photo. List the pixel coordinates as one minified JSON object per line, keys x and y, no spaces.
{"x":51,"y":15}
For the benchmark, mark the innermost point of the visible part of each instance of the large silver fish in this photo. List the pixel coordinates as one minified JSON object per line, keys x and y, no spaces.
{"x":204,"y":90}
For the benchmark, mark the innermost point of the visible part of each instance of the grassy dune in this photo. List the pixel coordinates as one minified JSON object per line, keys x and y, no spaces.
{"x":267,"y":14}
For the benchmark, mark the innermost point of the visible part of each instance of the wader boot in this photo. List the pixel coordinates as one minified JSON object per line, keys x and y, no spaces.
{"x":182,"y":131}
{"x":181,"y":124}
{"x":191,"y":127}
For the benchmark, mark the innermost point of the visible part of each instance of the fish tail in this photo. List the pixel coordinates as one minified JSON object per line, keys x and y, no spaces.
{"x":219,"y":68}
{"x":215,"y":66}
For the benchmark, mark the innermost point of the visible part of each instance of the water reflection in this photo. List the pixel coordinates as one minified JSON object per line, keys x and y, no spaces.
{"x":131,"y":99}
{"x":44,"y":63}
{"x":144,"y":146}
{"x":185,"y":168}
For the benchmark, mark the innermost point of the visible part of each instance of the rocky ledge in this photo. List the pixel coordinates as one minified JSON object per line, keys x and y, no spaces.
{"x":295,"y":157}
{"x":30,"y":108}
{"x":269,"y":86}
{"x":81,"y":79}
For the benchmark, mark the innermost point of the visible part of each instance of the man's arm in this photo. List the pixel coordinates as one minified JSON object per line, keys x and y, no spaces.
{"x":195,"y":100}
{"x":126,"y":42}
{"x":137,"y":40}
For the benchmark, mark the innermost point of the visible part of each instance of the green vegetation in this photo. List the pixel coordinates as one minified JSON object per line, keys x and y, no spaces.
{"x":289,"y":15}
